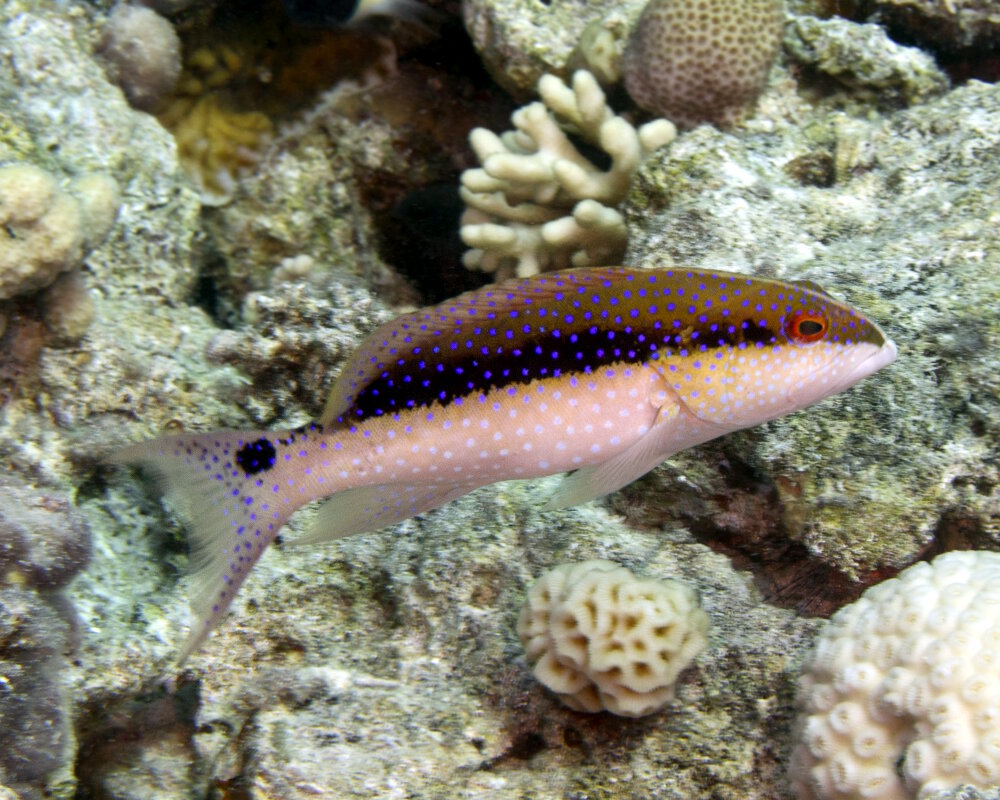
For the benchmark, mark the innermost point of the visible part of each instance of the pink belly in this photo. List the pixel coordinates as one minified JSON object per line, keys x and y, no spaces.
{"x":526,"y":431}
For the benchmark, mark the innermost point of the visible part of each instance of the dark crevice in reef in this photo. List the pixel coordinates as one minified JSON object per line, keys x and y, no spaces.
{"x":210,"y":295}
{"x":418,"y":235}
{"x":114,"y":732}
{"x":740,"y":514}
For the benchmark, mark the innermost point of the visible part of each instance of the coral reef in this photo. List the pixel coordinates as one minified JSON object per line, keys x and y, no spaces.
{"x":600,"y":49}
{"x":537,"y":203}
{"x":603,"y":639}
{"x":296,"y":333}
{"x":695,"y":61}
{"x":965,"y":793}
{"x":36,"y":759}
{"x":388,"y":664}
{"x":243,"y":75}
{"x":922,"y":468}
{"x":519,"y":41}
{"x":144,"y":54}
{"x":44,"y":230}
{"x":68,"y":307}
{"x":44,"y":541}
{"x":908,"y":675}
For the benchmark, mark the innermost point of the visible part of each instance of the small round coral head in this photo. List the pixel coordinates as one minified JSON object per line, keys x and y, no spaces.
{"x":753,"y":349}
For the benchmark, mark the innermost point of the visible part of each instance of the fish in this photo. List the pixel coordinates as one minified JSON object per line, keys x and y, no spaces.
{"x":601,"y":373}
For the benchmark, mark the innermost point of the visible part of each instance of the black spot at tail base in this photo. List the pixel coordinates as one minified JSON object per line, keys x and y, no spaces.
{"x":256,"y":456}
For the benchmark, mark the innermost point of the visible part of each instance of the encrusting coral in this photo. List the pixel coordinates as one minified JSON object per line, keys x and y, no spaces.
{"x":603,"y":639}
{"x":695,"y":61}
{"x":537,"y":203}
{"x":901,"y":696}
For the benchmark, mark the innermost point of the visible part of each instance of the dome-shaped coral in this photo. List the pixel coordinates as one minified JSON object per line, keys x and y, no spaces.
{"x":44,"y":230}
{"x":695,"y":61}
{"x":901,"y":695}
{"x":603,"y":639}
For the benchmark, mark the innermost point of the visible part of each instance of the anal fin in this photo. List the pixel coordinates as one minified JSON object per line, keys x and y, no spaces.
{"x":370,"y":508}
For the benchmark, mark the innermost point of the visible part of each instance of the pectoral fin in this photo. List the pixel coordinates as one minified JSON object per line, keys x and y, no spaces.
{"x":601,"y":479}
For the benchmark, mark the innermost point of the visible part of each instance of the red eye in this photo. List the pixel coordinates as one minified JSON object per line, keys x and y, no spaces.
{"x":805,"y":327}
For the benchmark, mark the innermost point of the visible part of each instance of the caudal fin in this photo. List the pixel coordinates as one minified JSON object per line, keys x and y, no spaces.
{"x":232,"y":514}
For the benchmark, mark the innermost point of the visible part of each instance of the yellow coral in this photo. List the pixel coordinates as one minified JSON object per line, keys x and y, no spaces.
{"x":216,"y":145}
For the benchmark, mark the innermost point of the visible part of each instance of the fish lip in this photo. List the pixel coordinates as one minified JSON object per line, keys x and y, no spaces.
{"x":868,"y":366}
{"x":883,"y":355}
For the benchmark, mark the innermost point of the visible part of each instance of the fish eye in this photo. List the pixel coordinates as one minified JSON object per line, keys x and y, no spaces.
{"x":805,"y":327}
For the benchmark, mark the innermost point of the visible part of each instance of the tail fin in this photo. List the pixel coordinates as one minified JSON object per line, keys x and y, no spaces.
{"x":232,"y":514}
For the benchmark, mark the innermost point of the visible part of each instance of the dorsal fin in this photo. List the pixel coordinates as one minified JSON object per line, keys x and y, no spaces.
{"x":812,"y":286}
{"x":454,"y":323}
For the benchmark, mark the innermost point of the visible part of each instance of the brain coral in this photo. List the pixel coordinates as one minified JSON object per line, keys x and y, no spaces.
{"x":901,"y":696}
{"x":695,"y":61}
{"x":603,"y":639}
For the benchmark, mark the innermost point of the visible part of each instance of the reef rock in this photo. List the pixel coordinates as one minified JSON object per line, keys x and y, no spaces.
{"x":902,"y":220}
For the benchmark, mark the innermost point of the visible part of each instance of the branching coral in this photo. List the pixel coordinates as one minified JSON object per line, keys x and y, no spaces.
{"x":537,"y":203}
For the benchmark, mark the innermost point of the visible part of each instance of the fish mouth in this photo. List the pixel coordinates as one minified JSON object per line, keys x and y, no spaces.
{"x":883,"y":355}
{"x":807,"y":392}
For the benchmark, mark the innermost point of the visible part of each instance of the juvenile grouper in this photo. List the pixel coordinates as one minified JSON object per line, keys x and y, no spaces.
{"x":601,"y":372}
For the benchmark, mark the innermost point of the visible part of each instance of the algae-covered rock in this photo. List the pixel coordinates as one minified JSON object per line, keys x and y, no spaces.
{"x":906,"y":229}
{"x":61,"y":115}
{"x":943,"y":24}
{"x":407,"y":639}
{"x":44,"y":543}
{"x":863,"y":59}
{"x":521,"y":40}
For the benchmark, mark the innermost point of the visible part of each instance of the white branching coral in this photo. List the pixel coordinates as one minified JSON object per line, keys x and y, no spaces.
{"x":901,"y":696}
{"x":537,"y":203}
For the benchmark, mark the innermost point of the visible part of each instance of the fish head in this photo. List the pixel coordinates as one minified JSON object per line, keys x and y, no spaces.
{"x":750,"y":350}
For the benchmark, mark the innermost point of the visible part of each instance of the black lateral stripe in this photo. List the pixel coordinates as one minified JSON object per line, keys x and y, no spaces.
{"x":452,"y":375}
